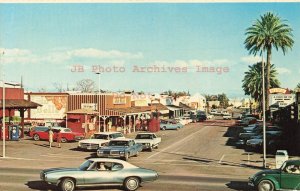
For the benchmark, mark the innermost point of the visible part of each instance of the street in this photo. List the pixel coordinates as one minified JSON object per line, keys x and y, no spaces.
{"x":195,"y":157}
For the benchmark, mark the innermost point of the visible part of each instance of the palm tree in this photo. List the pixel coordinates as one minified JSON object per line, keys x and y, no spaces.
{"x":266,"y":33}
{"x":252,"y":82}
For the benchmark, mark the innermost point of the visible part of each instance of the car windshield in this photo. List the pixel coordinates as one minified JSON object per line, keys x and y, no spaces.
{"x":117,"y":135}
{"x":84,"y":166}
{"x":100,"y":136}
{"x":118,"y":143}
{"x":67,"y":130}
{"x":143,"y":136}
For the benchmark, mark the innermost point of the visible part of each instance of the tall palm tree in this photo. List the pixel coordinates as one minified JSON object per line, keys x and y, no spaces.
{"x":266,"y":33}
{"x":252,"y":82}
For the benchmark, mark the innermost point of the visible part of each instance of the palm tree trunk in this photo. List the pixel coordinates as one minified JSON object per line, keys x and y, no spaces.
{"x":268,"y":76}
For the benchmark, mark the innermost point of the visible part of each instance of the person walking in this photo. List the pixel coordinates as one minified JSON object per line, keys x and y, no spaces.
{"x":50,"y":137}
{"x":59,"y":139}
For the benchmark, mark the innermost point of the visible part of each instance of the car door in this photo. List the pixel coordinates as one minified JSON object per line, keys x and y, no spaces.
{"x":290,"y":179}
{"x":95,"y":176}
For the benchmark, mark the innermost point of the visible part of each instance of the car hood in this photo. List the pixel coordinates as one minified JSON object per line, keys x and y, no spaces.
{"x":54,"y":170}
{"x":255,"y":140}
{"x":97,"y":141}
{"x":274,"y":171}
{"x":114,"y":148}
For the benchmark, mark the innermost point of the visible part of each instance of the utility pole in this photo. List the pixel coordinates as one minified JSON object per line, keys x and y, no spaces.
{"x":3,"y":108}
{"x":264,"y":114}
{"x":98,"y":73}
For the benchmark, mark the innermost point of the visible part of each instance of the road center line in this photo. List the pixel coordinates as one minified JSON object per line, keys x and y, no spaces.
{"x":220,"y":161}
{"x":175,"y":144}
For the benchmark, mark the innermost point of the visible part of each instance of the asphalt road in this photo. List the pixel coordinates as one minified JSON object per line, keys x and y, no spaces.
{"x":193,"y":158}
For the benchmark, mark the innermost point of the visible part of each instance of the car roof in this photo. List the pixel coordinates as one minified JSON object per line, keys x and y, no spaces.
{"x":144,"y":133}
{"x":106,"y":133}
{"x":124,"y":163}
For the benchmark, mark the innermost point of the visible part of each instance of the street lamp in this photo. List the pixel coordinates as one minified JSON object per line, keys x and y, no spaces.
{"x":98,"y":73}
{"x":264,"y":113}
{"x":3,"y":109}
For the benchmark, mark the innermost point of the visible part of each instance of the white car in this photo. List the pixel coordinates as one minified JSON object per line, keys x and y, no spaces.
{"x":148,"y":140}
{"x":99,"y":140}
{"x":209,"y":116}
{"x":227,"y":117}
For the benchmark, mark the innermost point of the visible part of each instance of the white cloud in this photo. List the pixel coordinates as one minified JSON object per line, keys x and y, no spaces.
{"x":283,"y":70}
{"x":96,"y":53}
{"x":251,"y":59}
{"x":15,"y":55}
{"x":60,"y":56}
{"x":192,"y":63}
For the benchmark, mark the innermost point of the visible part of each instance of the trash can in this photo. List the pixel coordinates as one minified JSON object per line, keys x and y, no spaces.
{"x":280,"y":157}
{"x":14,"y":133}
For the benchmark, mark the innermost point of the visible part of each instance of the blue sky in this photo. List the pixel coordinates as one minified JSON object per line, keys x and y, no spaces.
{"x":42,"y":42}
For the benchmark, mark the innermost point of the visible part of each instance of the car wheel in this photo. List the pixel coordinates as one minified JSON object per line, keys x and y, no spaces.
{"x":67,"y":184}
{"x":63,"y":140}
{"x":126,"y":156}
{"x":131,"y":183}
{"x":150,"y":149}
{"x":266,"y":185}
{"x":36,"y":137}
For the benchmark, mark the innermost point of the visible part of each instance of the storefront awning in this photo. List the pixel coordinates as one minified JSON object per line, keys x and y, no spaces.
{"x":83,"y":111}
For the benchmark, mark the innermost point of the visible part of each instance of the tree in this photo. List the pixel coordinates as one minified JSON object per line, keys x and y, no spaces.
{"x":223,"y":100}
{"x":85,"y":85}
{"x":252,"y":82}
{"x":266,"y":33}
{"x":58,"y":86}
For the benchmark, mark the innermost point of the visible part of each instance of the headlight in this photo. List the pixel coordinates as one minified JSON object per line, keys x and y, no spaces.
{"x":148,"y":144}
{"x":100,"y":152}
{"x":122,"y":152}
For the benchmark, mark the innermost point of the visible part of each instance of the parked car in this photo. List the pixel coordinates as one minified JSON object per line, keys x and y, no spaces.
{"x":97,"y":172}
{"x":209,"y":116}
{"x":99,"y":140}
{"x":148,"y":140}
{"x":123,"y":149}
{"x":213,"y":111}
{"x":42,"y":133}
{"x":284,"y":178}
{"x":170,"y":124}
{"x":227,"y":116}
{"x":246,"y":121}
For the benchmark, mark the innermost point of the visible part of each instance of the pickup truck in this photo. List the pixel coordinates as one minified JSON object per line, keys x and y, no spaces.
{"x":120,"y":148}
{"x":148,"y":140}
{"x":99,"y":140}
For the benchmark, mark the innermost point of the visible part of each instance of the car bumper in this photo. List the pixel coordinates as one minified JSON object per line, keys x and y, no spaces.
{"x":110,"y":156}
{"x":88,"y":147}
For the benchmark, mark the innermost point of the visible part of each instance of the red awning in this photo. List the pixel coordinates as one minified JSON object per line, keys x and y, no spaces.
{"x":74,"y":117}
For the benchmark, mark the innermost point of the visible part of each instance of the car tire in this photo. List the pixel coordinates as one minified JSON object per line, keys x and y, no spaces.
{"x":266,"y":185}
{"x":131,"y":183}
{"x":67,"y":184}
{"x":36,"y":137}
{"x":126,"y":156}
{"x":64,"y":140}
{"x":150,"y":149}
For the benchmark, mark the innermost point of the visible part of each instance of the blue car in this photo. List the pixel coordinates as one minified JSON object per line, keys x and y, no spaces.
{"x":99,"y":172}
{"x":170,"y":125}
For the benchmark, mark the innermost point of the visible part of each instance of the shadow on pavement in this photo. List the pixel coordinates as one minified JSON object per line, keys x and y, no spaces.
{"x":42,"y":186}
{"x":239,"y":185}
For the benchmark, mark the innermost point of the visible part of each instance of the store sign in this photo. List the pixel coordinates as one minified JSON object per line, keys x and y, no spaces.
{"x":119,"y":100}
{"x":53,"y":107}
{"x":278,"y":90}
{"x":89,"y":106}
